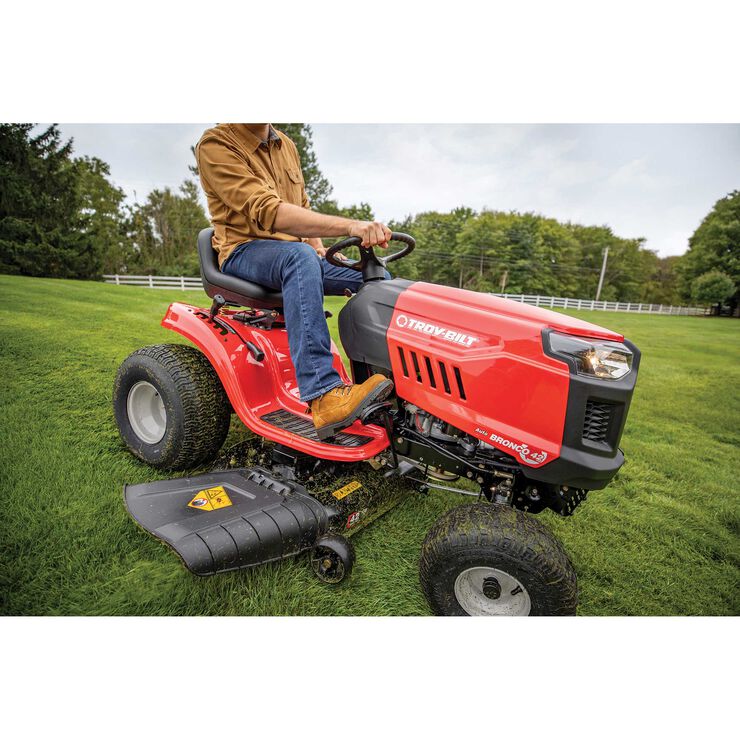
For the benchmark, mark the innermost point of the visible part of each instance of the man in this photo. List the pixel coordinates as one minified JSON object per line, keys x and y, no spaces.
{"x":265,"y":233}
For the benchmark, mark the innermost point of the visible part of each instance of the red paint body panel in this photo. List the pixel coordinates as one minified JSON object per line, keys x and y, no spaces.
{"x":513,"y":395}
{"x":506,"y":308}
{"x":258,"y":388}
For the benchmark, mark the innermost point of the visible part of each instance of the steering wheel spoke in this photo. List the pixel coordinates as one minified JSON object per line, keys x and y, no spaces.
{"x":370,"y":264}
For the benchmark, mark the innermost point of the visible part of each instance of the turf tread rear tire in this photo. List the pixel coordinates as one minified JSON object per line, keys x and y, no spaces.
{"x":198,"y":410}
{"x":503,"y":537}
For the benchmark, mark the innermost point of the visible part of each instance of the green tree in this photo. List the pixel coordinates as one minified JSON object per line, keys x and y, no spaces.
{"x":483,"y":250}
{"x":662,"y":283}
{"x":434,"y":258}
{"x":39,"y":206}
{"x":163,"y":230}
{"x":629,"y":264}
{"x":102,"y":214}
{"x":714,"y":246}
{"x":712,"y":287}
{"x":526,"y":252}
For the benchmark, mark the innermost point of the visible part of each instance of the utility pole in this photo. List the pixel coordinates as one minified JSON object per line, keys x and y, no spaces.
{"x":504,"y":278}
{"x":603,"y":270}
{"x":461,"y":274}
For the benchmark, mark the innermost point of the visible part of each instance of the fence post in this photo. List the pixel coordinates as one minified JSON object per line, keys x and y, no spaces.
{"x":151,"y":282}
{"x":537,"y":301}
{"x":552,"y":301}
{"x":566,"y":303}
{"x":579,"y":303}
{"x":118,"y":280}
{"x":182,"y":282}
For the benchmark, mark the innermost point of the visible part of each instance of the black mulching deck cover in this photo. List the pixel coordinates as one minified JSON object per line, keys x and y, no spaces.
{"x":304,"y":428}
{"x":265,"y":518}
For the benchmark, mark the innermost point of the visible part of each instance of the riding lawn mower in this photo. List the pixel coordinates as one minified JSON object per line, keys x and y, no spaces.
{"x":517,"y":407}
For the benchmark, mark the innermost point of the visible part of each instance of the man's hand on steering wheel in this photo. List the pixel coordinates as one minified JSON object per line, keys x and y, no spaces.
{"x":371,"y":265}
{"x":372,"y":233}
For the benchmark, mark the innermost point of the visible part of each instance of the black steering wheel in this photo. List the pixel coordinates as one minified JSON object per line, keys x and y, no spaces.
{"x":370,"y":265}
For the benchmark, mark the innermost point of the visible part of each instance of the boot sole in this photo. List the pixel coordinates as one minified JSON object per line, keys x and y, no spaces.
{"x":379,"y":393}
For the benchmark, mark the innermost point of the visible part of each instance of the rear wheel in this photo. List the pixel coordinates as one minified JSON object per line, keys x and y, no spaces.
{"x":170,"y":407}
{"x":492,"y":560}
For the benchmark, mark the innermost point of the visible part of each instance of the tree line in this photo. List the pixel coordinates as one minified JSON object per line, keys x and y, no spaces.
{"x":63,"y":216}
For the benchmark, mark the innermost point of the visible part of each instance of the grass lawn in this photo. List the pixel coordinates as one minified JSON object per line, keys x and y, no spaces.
{"x":662,"y":539}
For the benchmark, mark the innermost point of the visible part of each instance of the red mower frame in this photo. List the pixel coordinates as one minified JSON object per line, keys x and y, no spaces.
{"x":261,"y":382}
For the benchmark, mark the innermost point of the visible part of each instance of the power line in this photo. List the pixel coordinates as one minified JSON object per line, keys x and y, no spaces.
{"x":493,"y":262}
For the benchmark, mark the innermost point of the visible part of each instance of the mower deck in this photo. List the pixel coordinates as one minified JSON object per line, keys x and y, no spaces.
{"x":229,"y":519}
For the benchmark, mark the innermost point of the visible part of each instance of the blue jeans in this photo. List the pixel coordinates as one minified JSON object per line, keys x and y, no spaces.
{"x":295,"y":269}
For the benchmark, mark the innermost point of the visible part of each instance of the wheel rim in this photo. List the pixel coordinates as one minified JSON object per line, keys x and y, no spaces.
{"x":491,"y":592}
{"x":146,"y":412}
{"x":328,"y":566}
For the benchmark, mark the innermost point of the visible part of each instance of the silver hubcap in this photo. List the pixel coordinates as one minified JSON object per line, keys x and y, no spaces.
{"x":490,"y":592}
{"x":146,"y":412}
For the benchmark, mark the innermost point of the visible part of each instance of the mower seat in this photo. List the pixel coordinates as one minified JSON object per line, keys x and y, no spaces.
{"x":234,"y":290}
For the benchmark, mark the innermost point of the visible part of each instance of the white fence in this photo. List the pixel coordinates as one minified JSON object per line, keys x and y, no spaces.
{"x":548,"y":301}
{"x":156,"y":281}
{"x":545,"y":301}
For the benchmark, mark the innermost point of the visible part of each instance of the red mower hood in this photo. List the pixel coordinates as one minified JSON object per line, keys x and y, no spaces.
{"x":489,"y":304}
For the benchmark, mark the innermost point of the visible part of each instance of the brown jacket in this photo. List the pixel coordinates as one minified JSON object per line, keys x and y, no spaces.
{"x":245,"y":180}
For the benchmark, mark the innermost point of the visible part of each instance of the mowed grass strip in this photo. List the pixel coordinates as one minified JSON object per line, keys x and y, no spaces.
{"x":663,"y":538}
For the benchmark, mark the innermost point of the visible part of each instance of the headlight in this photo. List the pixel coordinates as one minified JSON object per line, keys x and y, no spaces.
{"x":607,"y":360}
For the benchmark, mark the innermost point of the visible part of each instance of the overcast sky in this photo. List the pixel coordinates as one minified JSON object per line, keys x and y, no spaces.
{"x":655,"y":181}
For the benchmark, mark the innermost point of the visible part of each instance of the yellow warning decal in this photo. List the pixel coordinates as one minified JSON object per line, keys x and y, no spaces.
{"x":210,"y":499}
{"x":346,"y":490}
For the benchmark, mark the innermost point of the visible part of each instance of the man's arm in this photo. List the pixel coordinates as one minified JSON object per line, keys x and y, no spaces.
{"x":303,"y":223}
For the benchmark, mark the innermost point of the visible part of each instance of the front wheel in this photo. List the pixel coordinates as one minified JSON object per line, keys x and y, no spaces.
{"x":332,"y":559}
{"x":493,"y":560}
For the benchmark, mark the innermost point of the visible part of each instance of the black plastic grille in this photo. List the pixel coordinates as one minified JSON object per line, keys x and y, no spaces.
{"x":431,"y":376}
{"x":304,"y":428}
{"x":597,"y":420}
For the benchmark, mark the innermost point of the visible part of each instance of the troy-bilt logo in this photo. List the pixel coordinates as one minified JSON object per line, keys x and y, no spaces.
{"x":525,"y":453}
{"x":449,"y":335}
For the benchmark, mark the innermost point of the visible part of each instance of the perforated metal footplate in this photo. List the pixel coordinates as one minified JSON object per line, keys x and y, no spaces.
{"x":304,"y":428}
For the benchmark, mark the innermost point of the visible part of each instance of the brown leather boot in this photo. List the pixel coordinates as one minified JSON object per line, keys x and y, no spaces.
{"x":338,"y":408}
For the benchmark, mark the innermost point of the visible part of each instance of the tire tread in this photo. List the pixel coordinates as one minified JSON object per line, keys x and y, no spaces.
{"x":206,"y":409}
{"x":486,"y":528}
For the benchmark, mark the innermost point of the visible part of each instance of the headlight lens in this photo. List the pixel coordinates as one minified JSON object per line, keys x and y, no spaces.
{"x":597,"y":359}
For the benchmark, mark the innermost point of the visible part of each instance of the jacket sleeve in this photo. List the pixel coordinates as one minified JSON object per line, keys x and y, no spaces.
{"x":227,"y":174}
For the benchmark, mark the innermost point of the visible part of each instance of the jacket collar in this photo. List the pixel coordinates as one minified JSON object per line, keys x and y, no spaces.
{"x":254,"y":142}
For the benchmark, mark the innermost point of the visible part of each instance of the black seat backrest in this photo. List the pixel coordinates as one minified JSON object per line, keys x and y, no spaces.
{"x":234,"y":290}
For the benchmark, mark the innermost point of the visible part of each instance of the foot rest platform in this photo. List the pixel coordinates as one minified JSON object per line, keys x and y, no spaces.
{"x":303,"y":427}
